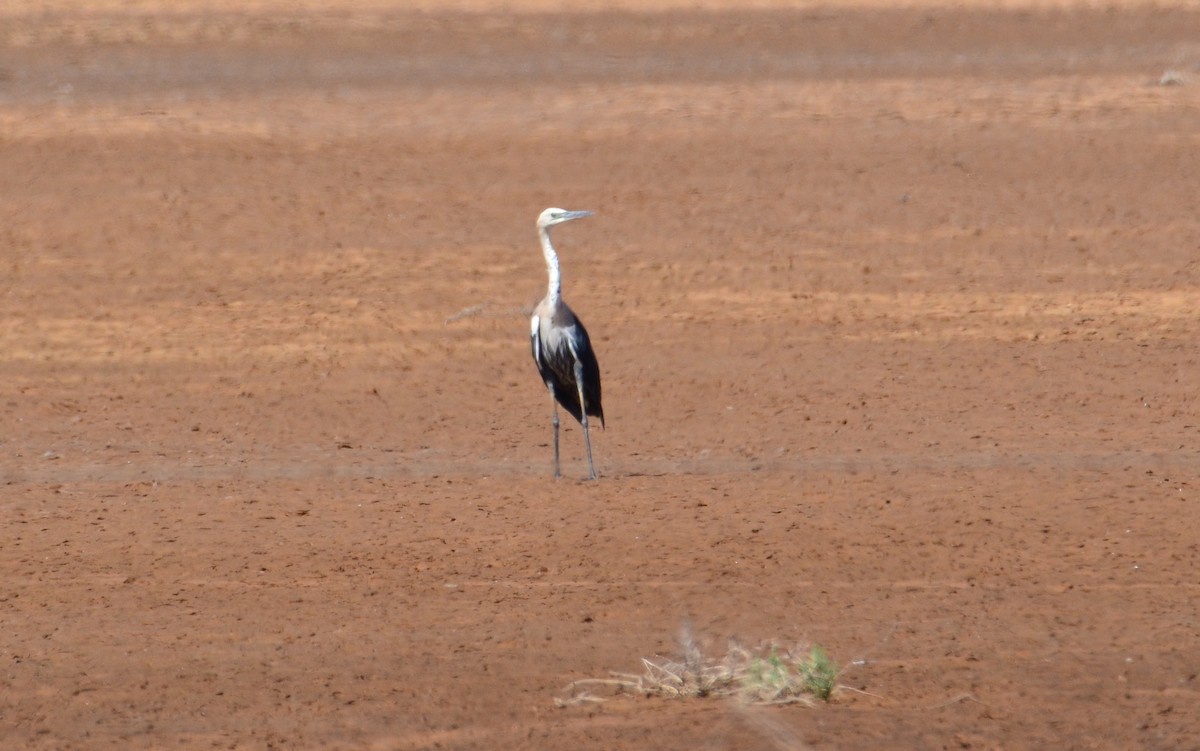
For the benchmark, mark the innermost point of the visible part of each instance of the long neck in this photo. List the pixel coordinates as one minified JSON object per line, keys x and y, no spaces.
{"x":554,"y":288}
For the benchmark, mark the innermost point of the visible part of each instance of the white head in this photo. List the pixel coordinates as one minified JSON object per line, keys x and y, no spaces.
{"x":551,"y":217}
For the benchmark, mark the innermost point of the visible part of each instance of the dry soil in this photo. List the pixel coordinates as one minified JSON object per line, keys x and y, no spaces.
{"x":897,"y":312}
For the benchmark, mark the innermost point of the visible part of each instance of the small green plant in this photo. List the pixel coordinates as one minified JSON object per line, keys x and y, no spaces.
{"x":779,"y":678}
{"x":769,"y":679}
{"x":818,"y":673}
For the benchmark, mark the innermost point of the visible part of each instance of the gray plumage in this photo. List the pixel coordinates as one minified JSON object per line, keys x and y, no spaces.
{"x":562,"y":350}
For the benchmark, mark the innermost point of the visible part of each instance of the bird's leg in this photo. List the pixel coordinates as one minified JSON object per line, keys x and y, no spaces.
{"x":554,"y":406}
{"x":587,"y":437}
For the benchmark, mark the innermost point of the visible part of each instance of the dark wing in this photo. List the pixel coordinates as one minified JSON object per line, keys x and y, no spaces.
{"x":591,"y":372}
{"x":556,"y":364}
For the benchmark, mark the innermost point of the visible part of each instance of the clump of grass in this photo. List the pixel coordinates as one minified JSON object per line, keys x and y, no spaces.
{"x":768,"y":675}
{"x":769,"y":679}
{"x":782,"y":677}
{"x":819,"y":674}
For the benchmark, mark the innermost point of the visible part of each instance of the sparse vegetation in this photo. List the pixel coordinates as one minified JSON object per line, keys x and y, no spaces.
{"x":819,"y":674}
{"x":766,"y":676}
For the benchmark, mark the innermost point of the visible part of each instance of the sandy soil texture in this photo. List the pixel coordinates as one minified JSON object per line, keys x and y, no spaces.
{"x":898,"y":312}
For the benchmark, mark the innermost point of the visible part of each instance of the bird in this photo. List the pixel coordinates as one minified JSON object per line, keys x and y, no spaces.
{"x":561,"y":347}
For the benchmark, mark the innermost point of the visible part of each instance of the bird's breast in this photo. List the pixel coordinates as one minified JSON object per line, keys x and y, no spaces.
{"x":555,"y":338}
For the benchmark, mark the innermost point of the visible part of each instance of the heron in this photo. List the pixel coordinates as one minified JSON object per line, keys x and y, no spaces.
{"x":562,"y":350}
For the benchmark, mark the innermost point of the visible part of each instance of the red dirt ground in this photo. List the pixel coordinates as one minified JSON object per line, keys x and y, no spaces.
{"x":897,"y":312}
